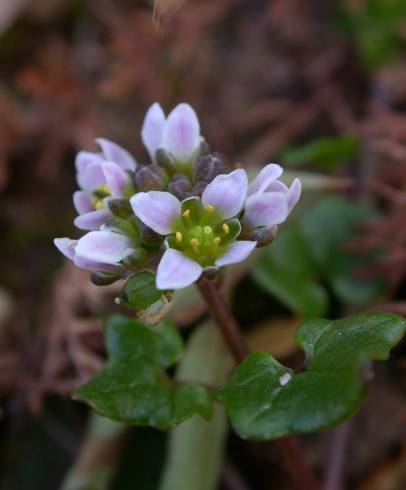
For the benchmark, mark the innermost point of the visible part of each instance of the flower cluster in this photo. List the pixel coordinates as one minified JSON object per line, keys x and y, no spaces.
{"x":186,"y":208}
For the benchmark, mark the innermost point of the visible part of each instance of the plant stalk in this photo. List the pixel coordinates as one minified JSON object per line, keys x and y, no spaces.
{"x":225,"y":320}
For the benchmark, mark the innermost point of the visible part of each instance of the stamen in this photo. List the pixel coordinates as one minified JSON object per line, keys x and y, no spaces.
{"x":216,"y":241}
{"x":226,"y":228}
{"x":186,"y":213}
{"x":98,"y":204}
{"x":104,"y":188}
{"x":195,"y":243}
{"x":178,"y":236}
{"x":209,"y":208}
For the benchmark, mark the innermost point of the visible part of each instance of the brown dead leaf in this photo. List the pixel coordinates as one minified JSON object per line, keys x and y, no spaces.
{"x":275,"y":336}
{"x":164,"y":10}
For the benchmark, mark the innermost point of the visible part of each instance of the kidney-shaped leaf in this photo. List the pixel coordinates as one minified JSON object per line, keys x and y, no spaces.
{"x":133,"y":388}
{"x":266,"y":400}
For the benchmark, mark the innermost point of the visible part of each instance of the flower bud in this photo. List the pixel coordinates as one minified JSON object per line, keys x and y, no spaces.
{"x":208,"y":167}
{"x":100,"y":278}
{"x":150,"y":177}
{"x":165,"y":161}
{"x":198,"y":189}
{"x":149,"y":237}
{"x":137,"y":259}
{"x":120,"y":207}
{"x":180,"y":186}
{"x":263,"y":236}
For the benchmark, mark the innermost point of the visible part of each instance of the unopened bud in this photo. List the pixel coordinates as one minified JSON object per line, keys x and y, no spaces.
{"x":100,"y":278}
{"x":209,"y":166}
{"x":180,"y":186}
{"x":198,"y":189}
{"x":263,"y":236}
{"x":150,"y":177}
{"x":166,"y":161}
{"x":120,"y":207}
{"x":149,"y":237}
{"x":137,"y":258}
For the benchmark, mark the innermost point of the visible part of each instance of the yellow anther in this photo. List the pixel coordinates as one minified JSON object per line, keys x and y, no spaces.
{"x":209,"y":208}
{"x":194,"y":242}
{"x":99,"y":205}
{"x":216,"y":241}
{"x":178,"y":236}
{"x":226,"y":228}
{"x":186,"y":213}
{"x":104,"y":188}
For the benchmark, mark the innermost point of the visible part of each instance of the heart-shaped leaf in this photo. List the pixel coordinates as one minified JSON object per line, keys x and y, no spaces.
{"x":133,"y":388}
{"x":266,"y":400}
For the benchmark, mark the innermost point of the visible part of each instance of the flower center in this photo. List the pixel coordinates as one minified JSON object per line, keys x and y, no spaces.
{"x":99,"y":194}
{"x":201,"y":233}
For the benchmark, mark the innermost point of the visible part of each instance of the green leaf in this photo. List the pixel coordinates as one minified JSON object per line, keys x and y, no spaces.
{"x":140,"y":291}
{"x":161,"y":345}
{"x":266,"y":400}
{"x":286,"y":270}
{"x":326,"y":153}
{"x":133,"y":388}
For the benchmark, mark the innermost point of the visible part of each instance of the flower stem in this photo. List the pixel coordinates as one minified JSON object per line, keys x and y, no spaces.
{"x":225,"y":320}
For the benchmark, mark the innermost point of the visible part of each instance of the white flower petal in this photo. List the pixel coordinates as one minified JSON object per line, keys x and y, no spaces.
{"x":293,"y":193}
{"x":117,"y":154}
{"x":266,"y":209}
{"x":227,"y":193}
{"x":181,"y":135}
{"x":237,"y":252}
{"x":105,"y":247}
{"x":157,"y":210}
{"x":92,"y":220}
{"x":267,"y":175}
{"x":153,"y":129}
{"x":66,"y":246}
{"x":82,"y":202}
{"x":176,"y":271}
{"x":84,"y":158}
{"x":116,"y":178}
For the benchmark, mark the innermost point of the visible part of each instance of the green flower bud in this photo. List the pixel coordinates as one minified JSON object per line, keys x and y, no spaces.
{"x":150,"y":177}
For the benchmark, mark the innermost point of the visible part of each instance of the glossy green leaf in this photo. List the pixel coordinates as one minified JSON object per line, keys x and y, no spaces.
{"x":326,"y":153}
{"x":133,"y":388}
{"x":266,"y":400}
{"x":140,"y":291}
{"x":286,"y":270}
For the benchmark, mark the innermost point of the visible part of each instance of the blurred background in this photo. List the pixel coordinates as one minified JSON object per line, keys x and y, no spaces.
{"x":317,"y":85}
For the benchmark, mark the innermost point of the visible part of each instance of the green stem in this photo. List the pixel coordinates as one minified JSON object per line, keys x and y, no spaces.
{"x":225,"y":320}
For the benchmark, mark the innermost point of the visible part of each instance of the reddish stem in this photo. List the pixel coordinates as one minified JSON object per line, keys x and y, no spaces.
{"x":225,"y":320}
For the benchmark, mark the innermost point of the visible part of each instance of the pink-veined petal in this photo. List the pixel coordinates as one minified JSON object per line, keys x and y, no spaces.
{"x":153,"y":129}
{"x":267,"y":175}
{"x":66,"y":246}
{"x":82,"y":202}
{"x":266,"y":209}
{"x":92,"y":220}
{"x":181,"y":135}
{"x":227,"y":193}
{"x":105,"y":247}
{"x":117,"y":179}
{"x":117,"y":154}
{"x":176,"y":271}
{"x":237,"y":252}
{"x":157,"y":210}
